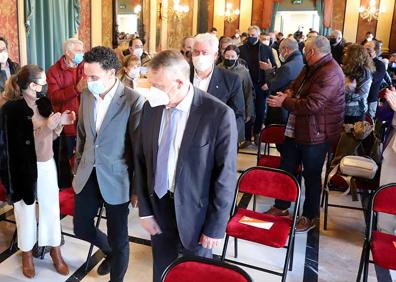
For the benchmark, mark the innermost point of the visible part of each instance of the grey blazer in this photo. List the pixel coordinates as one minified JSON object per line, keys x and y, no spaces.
{"x":111,"y":150}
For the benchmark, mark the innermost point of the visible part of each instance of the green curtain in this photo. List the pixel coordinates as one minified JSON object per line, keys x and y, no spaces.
{"x":319,"y":8}
{"x":274,"y":11}
{"x":48,"y":24}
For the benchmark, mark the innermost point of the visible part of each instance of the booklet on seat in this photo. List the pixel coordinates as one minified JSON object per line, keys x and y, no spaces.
{"x":256,"y":222}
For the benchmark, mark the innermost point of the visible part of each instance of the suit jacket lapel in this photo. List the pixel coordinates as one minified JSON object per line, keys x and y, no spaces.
{"x":114,"y":106}
{"x":214,"y":83}
{"x":192,"y":125}
{"x":155,"y":130}
{"x":91,"y":112}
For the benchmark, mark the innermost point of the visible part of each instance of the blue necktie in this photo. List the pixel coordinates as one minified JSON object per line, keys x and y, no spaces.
{"x":161,"y":185}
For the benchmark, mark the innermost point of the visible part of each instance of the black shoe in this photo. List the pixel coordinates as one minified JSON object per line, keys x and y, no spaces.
{"x":105,"y":266}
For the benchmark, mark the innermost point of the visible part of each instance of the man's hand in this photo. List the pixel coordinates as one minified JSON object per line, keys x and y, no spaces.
{"x":264,"y":87}
{"x":265,"y":65}
{"x":390,"y":96}
{"x":150,"y":225}
{"x":68,"y":117}
{"x":209,"y":243}
{"x":134,"y":201}
{"x":276,"y":101}
{"x":82,"y":84}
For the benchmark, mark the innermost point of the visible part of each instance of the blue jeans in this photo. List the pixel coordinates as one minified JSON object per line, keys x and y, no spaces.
{"x":312,"y":158}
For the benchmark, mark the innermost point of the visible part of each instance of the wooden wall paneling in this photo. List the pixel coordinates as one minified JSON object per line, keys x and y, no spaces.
{"x":210,"y":5}
{"x":339,"y":7}
{"x":364,"y":25}
{"x":84,"y":31}
{"x":229,"y":28}
{"x":392,"y":39}
{"x":257,"y":12}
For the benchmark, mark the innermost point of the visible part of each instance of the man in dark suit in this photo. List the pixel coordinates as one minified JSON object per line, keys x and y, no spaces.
{"x":185,"y":165}
{"x":337,"y":45}
{"x":260,"y":60}
{"x":221,"y":83}
{"x":292,"y":65}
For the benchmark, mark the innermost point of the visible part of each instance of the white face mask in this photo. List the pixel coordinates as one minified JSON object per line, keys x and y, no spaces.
{"x":156,"y":97}
{"x":138,"y":52}
{"x":202,"y":62}
{"x":282,"y":58}
{"x":3,"y":57}
{"x":134,"y":73}
{"x":266,"y":42}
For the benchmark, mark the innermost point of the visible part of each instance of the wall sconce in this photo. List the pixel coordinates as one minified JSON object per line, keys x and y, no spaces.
{"x":371,"y":12}
{"x":230,"y":15}
{"x":138,"y":9}
{"x":179,"y":10}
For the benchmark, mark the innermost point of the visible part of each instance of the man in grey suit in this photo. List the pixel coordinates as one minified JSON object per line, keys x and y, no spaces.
{"x":108,"y":120}
{"x":185,"y":164}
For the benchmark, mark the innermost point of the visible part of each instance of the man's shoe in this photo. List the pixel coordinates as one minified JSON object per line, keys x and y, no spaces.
{"x":59,"y":264}
{"x":27,"y":264}
{"x":277,"y":212}
{"x":304,"y":224}
{"x":105,"y":266}
{"x":245,"y":144}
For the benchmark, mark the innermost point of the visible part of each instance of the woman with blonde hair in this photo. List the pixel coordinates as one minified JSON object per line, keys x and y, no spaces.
{"x":29,"y":127}
{"x":358,"y":68}
{"x":130,"y":71}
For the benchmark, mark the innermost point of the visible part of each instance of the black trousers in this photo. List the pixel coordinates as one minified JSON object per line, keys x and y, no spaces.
{"x":312,"y":158}
{"x":166,"y":247}
{"x":116,"y":244}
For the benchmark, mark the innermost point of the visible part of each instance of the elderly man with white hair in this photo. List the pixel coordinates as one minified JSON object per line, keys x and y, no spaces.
{"x":221,"y":83}
{"x":185,"y":164}
{"x":65,"y":83}
{"x":337,"y":45}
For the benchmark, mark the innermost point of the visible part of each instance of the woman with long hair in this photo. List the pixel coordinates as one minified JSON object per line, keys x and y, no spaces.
{"x":30,"y":126}
{"x":358,"y":68}
{"x":130,"y":71}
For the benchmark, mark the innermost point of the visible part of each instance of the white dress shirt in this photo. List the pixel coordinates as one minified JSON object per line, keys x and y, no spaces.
{"x":184,"y":112}
{"x":200,"y":83}
{"x":102,"y":105}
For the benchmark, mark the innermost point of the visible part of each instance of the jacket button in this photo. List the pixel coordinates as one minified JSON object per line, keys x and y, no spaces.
{"x":27,"y":142}
{"x":96,"y":146}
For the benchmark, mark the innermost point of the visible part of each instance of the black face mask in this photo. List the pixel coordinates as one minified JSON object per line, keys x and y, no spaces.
{"x":333,"y":41}
{"x":229,"y":63}
{"x":43,"y":92}
{"x":252,"y":40}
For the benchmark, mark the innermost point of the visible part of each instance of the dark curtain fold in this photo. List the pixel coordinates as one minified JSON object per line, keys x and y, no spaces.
{"x":325,"y":12}
{"x":275,"y":9}
{"x":48,"y":24}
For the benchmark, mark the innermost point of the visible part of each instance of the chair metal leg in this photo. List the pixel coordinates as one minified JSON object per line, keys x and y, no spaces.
{"x":42,"y":253}
{"x":292,"y":254}
{"x":13,"y":241}
{"x":254,"y":202}
{"x":326,"y":208}
{"x":91,"y":246}
{"x":366,"y":263}
{"x":361,"y":264}
{"x":235,"y":247}
{"x":225,"y":247}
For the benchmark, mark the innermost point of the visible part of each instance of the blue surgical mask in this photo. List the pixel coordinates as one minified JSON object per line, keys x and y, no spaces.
{"x":78,"y":58}
{"x":96,"y":87}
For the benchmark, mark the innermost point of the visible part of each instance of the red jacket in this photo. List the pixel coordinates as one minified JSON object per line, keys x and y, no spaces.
{"x":62,"y":82}
{"x":320,"y":108}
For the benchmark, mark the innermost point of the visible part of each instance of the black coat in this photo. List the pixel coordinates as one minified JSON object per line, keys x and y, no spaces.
{"x":282,"y":79}
{"x":19,"y":175}
{"x":227,"y":87}
{"x":14,"y":68}
{"x":264,"y":54}
{"x":378,"y":76}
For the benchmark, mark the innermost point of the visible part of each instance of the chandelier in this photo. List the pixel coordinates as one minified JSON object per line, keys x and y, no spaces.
{"x":179,"y":10}
{"x":371,"y":12}
{"x":230,"y":15}
{"x":137,"y":9}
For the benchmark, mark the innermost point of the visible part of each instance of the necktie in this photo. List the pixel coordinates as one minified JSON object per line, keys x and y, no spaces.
{"x":161,"y":185}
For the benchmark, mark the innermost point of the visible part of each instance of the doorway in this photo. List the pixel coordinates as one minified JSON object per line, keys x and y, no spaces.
{"x":289,"y":22}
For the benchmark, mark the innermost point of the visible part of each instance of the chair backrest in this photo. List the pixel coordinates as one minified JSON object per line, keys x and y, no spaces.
{"x":273,"y":133}
{"x":269,"y":182}
{"x":384,"y":199}
{"x":199,"y":269}
{"x":66,"y":201}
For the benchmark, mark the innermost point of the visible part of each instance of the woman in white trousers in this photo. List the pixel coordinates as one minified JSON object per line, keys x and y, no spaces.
{"x":30,"y":127}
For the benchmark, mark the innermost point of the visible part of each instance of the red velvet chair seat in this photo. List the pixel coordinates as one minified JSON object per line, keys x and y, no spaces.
{"x":201,"y":272}
{"x":275,"y":237}
{"x":66,"y":201}
{"x":383,"y":249}
{"x":270,"y":161}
